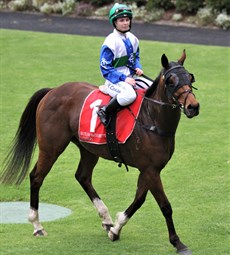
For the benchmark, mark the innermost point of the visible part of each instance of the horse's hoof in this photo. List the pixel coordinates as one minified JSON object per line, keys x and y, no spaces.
{"x":184,"y":252}
{"x":41,"y":232}
{"x":107,"y":227}
{"x":112,"y":236}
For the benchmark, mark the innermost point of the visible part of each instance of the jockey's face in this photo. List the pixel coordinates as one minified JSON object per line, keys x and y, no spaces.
{"x":123,"y":24}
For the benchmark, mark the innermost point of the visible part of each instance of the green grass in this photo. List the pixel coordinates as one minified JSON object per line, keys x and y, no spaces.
{"x":196,"y":180}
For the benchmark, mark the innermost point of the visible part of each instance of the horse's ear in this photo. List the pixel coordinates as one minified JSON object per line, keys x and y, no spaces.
{"x":164,"y":61}
{"x":182,"y":58}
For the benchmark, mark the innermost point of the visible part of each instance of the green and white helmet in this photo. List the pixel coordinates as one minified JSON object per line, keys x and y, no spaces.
{"x":118,"y":11}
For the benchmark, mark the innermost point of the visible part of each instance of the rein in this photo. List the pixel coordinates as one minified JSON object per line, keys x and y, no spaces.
{"x":154,"y":128}
{"x":173,"y":106}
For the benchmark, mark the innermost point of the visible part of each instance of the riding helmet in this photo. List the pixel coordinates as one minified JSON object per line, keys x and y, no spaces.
{"x":118,"y":11}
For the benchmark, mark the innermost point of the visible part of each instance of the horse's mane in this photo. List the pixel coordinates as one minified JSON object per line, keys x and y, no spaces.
{"x":153,"y":87}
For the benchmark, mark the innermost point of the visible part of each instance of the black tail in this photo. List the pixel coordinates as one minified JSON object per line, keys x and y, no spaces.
{"x":18,"y":160}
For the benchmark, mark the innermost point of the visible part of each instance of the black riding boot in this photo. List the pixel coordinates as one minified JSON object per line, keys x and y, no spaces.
{"x":105,"y":111}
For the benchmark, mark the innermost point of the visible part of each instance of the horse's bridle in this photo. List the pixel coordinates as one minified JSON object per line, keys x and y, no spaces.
{"x":177,"y":70}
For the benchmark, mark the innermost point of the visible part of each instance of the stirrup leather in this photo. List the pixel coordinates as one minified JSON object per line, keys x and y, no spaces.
{"x":103,"y":116}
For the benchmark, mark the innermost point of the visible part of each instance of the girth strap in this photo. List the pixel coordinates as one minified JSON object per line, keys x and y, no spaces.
{"x":112,"y":142}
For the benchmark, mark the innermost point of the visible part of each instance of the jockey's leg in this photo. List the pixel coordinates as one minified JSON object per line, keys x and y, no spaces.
{"x":105,"y":111}
{"x":122,"y":94}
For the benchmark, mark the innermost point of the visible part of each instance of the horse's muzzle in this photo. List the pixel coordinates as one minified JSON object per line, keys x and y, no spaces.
{"x":192,"y":110}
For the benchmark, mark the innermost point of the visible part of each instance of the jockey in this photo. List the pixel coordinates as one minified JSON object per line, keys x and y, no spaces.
{"x":119,"y":50}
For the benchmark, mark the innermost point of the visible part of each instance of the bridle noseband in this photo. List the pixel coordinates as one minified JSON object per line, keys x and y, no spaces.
{"x":176,"y":98}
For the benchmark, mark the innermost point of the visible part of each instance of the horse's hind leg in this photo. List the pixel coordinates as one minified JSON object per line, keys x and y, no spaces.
{"x":39,"y":172}
{"x":50,"y":147}
{"x":84,"y":177}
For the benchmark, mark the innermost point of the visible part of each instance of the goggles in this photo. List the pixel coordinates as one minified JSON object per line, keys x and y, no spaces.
{"x":120,"y":10}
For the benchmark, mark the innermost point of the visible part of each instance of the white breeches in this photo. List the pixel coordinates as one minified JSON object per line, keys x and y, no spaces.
{"x":125,"y":92}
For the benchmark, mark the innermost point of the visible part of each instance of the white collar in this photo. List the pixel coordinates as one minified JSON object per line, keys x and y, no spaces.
{"x":123,"y":35}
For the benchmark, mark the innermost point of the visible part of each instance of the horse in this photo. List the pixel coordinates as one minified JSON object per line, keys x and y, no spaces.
{"x":51,"y":120}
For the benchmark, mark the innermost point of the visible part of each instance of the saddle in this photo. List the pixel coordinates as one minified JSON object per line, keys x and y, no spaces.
{"x":120,"y":127}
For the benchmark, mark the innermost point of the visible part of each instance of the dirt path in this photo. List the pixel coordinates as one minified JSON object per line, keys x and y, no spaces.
{"x":96,"y":27}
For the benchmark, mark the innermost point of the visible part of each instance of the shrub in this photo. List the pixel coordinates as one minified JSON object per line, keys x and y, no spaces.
{"x":68,"y":6}
{"x":103,"y":11}
{"x":159,"y":4}
{"x":139,"y":3}
{"x":205,"y":16}
{"x":97,"y":3}
{"x":141,"y":13}
{"x":84,"y":9}
{"x":46,"y":7}
{"x":18,"y":5}
{"x":177,"y":17}
{"x":220,"y":5}
{"x":189,"y":6}
{"x":223,"y":20}
{"x":3,"y":5}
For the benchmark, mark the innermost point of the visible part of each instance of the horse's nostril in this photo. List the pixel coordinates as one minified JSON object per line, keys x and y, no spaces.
{"x":192,"y":110}
{"x":193,"y":107}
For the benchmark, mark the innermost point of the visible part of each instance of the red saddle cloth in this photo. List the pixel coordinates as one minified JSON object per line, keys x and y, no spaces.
{"x":91,"y":130}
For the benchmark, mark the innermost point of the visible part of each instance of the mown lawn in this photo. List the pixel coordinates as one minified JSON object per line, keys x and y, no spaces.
{"x":196,"y":180}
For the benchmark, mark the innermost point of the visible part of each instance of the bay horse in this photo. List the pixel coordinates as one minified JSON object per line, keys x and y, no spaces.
{"x":51,"y":118}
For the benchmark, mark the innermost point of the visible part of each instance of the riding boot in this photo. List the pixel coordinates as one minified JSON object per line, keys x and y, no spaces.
{"x":105,"y":111}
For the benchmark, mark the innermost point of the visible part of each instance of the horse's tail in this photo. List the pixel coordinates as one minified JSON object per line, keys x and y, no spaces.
{"x":18,"y":160}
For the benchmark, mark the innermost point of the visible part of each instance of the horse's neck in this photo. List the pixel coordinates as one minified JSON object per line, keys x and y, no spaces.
{"x":163,"y":116}
{"x":160,"y":93}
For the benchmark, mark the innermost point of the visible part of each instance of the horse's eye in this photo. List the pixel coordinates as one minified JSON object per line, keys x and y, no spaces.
{"x":173,"y":80}
{"x":169,"y":81}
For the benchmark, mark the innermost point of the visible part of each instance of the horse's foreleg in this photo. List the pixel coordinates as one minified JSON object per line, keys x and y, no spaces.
{"x":84,"y":177}
{"x":123,"y":217}
{"x":103,"y":212}
{"x":159,"y":194}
